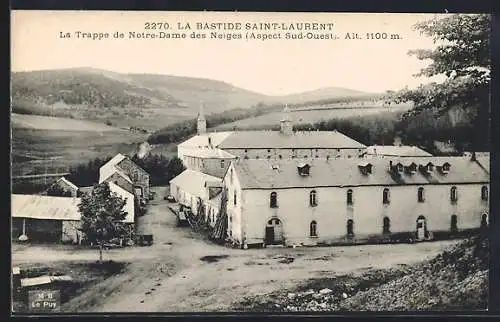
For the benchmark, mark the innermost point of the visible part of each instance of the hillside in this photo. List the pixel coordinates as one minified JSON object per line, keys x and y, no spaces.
{"x":140,"y":100}
{"x":456,"y":279}
{"x":322,"y":94}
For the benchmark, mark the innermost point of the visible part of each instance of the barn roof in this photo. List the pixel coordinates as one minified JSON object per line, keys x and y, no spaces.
{"x":297,"y":140}
{"x":110,"y":167}
{"x":265,"y":174}
{"x":394,"y":150}
{"x":45,"y":207}
{"x":61,"y":208}
{"x":109,"y":171}
{"x":193,"y":182}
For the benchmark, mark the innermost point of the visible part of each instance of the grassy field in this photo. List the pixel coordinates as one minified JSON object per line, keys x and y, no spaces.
{"x":307,"y":116}
{"x":37,"y":122}
{"x":40,"y":141}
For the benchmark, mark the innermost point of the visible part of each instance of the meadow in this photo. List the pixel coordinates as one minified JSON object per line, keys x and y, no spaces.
{"x":308,"y":116}
{"x":41,"y":143}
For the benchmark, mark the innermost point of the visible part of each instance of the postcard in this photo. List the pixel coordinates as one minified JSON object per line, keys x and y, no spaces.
{"x":167,"y":162}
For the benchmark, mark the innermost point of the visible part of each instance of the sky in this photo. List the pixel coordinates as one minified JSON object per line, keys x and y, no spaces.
{"x":272,"y":67}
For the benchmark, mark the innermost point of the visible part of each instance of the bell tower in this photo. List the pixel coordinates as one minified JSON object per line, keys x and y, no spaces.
{"x":201,"y":122}
{"x":286,"y":124}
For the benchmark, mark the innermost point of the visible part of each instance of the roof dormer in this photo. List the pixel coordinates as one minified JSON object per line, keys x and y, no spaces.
{"x":303,"y":169}
{"x":365,"y":167}
{"x":426,"y":168}
{"x":411,"y":168}
{"x":445,"y":168}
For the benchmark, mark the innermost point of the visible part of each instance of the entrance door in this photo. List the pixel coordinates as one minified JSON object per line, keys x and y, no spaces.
{"x":274,"y":232}
{"x":421,"y":228}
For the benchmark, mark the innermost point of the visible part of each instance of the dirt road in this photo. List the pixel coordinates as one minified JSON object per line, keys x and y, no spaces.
{"x":183,"y":272}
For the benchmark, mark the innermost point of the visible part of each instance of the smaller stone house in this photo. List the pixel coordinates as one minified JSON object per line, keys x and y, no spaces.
{"x":122,"y":171}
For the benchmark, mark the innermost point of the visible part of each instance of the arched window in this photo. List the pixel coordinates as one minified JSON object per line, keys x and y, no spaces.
{"x":350,"y":228}
{"x":349,"y":197}
{"x":313,"y":229}
{"x":453,"y":194}
{"x":222,"y":164}
{"x":385,"y":196}
{"x":387,"y":225}
{"x":484,"y":221}
{"x":484,"y":193}
{"x":454,"y":223}
{"x":312,"y":198}
{"x":420,"y":195}
{"x":273,"y":200}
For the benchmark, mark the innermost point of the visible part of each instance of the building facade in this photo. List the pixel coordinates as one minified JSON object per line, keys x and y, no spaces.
{"x":211,"y":152}
{"x":343,"y":201}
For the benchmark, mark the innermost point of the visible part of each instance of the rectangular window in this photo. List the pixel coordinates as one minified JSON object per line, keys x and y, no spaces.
{"x":222,"y":164}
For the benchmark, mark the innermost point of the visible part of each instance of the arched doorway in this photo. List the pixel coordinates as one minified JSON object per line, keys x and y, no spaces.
{"x":274,"y":232}
{"x":421,"y":228}
{"x":484,"y":221}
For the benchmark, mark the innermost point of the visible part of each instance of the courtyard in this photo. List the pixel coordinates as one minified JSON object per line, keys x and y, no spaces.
{"x":184,"y":272}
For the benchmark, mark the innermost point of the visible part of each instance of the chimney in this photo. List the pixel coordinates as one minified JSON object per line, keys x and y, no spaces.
{"x":473,"y":156}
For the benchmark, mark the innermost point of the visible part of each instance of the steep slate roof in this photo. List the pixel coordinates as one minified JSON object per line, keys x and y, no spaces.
{"x":298,"y":140}
{"x":129,"y":205}
{"x":45,"y":207}
{"x":207,"y":153}
{"x":391,"y":150}
{"x":201,"y":141}
{"x":109,"y":168}
{"x":259,"y":174}
{"x":193,"y":182}
{"x":108,"y":172}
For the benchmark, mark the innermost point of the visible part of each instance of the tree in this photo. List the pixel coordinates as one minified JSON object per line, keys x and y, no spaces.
{"x":463,"y":59}
{"x":102,"y":216}
{"x":175,"y":167}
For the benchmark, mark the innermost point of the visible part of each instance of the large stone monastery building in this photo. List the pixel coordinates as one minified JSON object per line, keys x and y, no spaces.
{"x":288,"y":188}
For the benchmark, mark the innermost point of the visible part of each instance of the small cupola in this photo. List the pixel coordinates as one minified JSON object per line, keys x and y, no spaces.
{"x":303,"y":169}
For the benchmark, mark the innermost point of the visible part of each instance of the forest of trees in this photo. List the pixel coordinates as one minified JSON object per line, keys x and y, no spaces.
{"x":74,"y":87}
{"x":160,"y":168}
